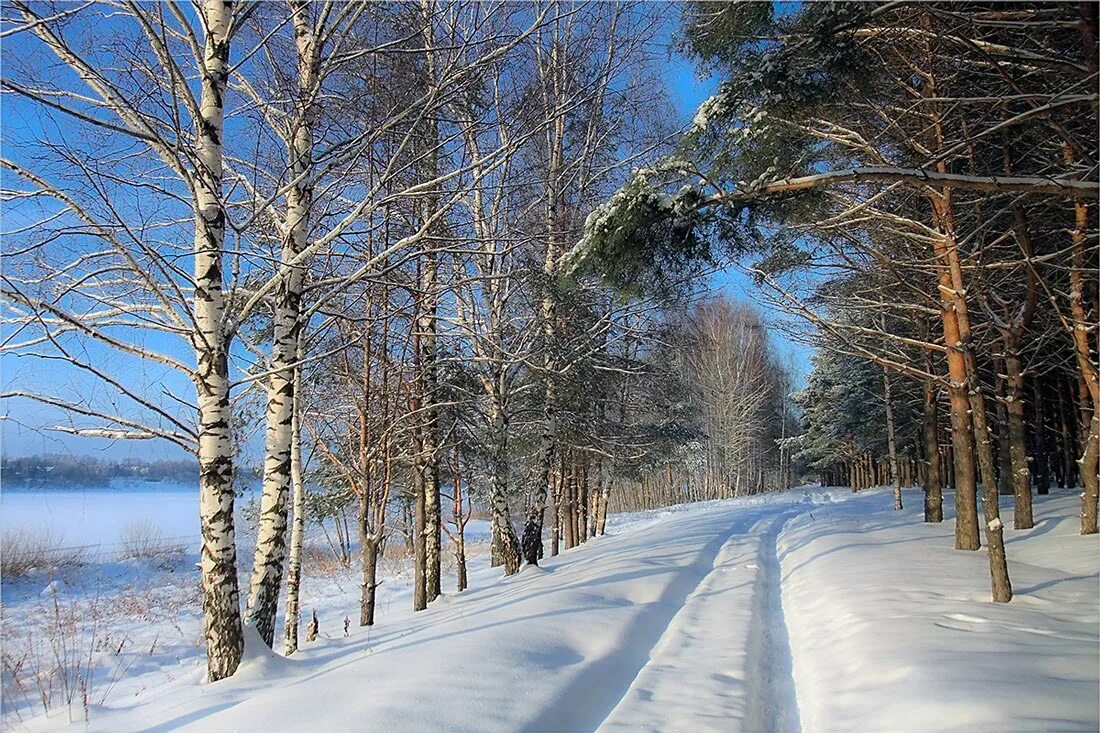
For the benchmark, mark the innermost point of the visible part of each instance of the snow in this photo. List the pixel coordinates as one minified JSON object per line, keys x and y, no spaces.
{"x":896,"y":630}
{"x":812,"y":610}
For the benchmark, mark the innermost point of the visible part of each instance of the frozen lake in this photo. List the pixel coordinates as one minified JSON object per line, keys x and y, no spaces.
{"x":97,"y":516}
{"x":77,"y":517}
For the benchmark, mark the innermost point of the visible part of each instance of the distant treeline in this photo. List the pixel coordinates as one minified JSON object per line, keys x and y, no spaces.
{"x":65,"y":471}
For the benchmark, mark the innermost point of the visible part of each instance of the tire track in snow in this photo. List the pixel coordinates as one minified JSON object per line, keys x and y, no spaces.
{"x":595,"y":692}
{"x":773,"y":703}
{"x":718,"y":664}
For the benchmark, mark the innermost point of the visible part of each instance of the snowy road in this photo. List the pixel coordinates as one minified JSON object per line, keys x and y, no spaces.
{"x":685,"y":620}
{"x":724,"y":662}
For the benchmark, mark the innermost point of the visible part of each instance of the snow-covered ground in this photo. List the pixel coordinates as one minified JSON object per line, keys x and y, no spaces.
{"x":812,"y":610}
{"x":892,"y":629}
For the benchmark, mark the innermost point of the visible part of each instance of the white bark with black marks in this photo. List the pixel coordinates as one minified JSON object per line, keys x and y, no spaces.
{"x":297,"y":530}
{"x":220,"y":592}
{"x":270,"y":556}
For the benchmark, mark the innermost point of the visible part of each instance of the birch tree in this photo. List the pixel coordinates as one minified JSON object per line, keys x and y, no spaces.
{"x":108,"y":276}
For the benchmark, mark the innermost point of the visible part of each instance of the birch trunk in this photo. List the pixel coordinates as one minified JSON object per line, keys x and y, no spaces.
{"x":532,"y":529}
{"x":506,"y":550}
{"x":555,"y":509}
{"x":220,"y":592}
{"x":420,"y":556}
{"x":427,"y":586}
{"x":601,"y":515}
{"x":297,"y":528}
{"x":430,"y":468}
{"x":582,"y":504}
{"x":270,"y":556}
{"x":427,"y":327}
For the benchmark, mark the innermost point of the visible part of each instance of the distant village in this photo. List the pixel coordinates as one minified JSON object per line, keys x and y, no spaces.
{"x":59,"y":470}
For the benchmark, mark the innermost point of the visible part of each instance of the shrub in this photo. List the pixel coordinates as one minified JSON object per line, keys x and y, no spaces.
{"x":143,"y":540}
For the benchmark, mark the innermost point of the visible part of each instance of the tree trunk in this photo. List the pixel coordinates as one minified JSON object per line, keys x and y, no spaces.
{"x":270,"y":555}
{"x":1069,"y":465}
{"x":555,"y":510}
{"x":956,"y":290}
{"x":582,"y":504}
{"x":506,"y":550}
{"x":1089,"y":478}
{"x":220,"y":592}
{"x":1042,"y":444}
{"x":428,"y":463}
{"x":460,"y":564}
{"x":369,"y":553}
{"x":369,"y":556}
{"x":957,"y":336}
{"x":532,"y":528}
{"x":420,"y":555}
{"x":569,"y":492}
{"x":432,"y":535}
{"x":994,"y":528}
{"x":553,"y":95}
{"x":892,"y":441}
{"x":962,"y":435}
{"x":297,"y":528}
{"x":601,"y":513}
{"x":1004,"y":440}
{"x":1017,"y":435}
{"x":1082,"y":326}
{"x":593,"y":514}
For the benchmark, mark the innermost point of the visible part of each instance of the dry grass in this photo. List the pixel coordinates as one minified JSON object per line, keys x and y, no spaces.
{"x":69,"y":653}
{"x":51,"y":664}
{"x":318,"y":559}
{"x":23,"y":551}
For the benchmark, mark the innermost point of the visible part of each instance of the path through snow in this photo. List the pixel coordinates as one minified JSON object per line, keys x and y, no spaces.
{"x":724,"y":662}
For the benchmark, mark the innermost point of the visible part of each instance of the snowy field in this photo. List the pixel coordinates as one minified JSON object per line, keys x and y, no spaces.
{"x":812,"y":610}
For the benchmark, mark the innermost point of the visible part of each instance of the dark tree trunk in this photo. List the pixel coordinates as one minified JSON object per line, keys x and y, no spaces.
{"x":1069,"y":438}
{"x":460,"y":565}
{"x":1017,"y":435}
{"x":1004,"y":459}
{"x":994,"y":528}
{"x":1042,"y":445}
{"x":933,"y":486}
{"x":370,"y":582}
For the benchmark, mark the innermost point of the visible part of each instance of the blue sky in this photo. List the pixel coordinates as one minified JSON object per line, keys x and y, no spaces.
{"x":22,"y":433}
